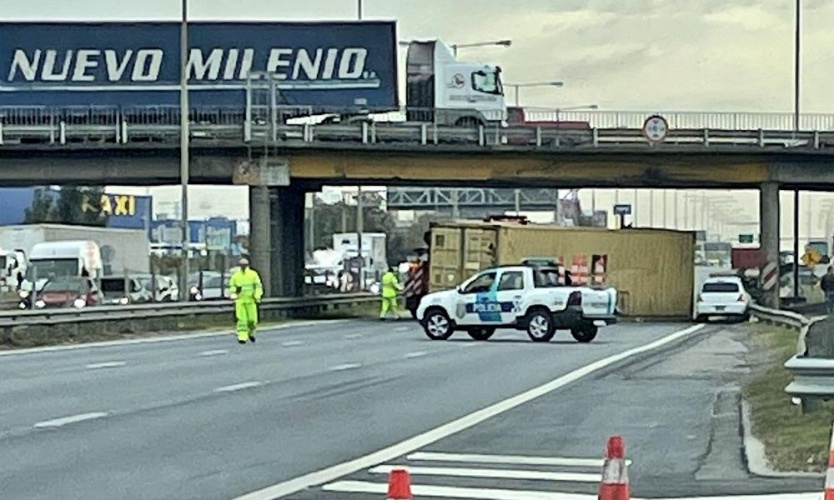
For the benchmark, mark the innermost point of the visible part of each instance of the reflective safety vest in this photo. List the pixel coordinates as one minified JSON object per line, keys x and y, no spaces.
{"x":390,"y":284}
{"x":246,"y":284}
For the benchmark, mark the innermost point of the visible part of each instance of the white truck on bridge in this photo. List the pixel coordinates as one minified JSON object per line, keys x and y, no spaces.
{"x":517,"y":297}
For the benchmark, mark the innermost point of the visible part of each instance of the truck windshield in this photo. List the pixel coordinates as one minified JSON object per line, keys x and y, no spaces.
{"x":488,"y":82}
{"x":52,"y":268}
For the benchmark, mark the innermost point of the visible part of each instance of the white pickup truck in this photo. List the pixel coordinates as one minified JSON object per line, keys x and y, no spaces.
{"x":519,"y":297}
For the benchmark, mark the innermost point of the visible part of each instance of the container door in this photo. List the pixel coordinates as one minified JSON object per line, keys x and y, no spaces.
{"x":479,"y":250}
{"x":446,"y":248}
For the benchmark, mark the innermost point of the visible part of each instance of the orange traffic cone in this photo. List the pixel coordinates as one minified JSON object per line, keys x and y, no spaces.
{"x":399,"y":485}
{"x":614,"y":485}
{"x":829,"y":474}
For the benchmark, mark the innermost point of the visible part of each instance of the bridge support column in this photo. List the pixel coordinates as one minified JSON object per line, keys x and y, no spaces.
{"x":287,"y":210}
{"x":769,"y":241}
{"x":259,"y":234}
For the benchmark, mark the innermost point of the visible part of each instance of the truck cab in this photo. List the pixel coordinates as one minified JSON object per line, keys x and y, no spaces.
{"x":60,"y":259}
{"x":442,"y":90}
{"x":525,"y":297}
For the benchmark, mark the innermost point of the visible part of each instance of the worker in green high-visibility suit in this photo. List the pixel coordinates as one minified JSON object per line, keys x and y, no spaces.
{"x":246,"y":290}
{"x":390,"y":287}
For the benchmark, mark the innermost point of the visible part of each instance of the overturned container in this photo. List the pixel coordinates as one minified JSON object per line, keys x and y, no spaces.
{"x":652,"y":269}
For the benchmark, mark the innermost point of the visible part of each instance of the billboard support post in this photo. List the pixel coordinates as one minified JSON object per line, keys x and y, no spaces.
{"x":184,"y":136}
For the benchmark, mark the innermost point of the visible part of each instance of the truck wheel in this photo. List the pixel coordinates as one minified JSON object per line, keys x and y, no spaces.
{"x":481,"y":333}
{"x":540,"y":327}
{"x":437,"y":325}
{"x":584,"y":333}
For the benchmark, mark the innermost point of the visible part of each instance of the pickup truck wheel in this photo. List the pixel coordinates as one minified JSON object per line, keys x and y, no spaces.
{"x":540,"y":327}
{"x":481,"y":333}
{"x":437,"y":325}
{"x":584,"y":333}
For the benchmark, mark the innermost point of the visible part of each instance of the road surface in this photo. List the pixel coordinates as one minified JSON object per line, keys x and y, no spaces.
{"x":208,"y":419}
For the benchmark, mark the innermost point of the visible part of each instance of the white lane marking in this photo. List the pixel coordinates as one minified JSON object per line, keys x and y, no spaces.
{"x":237,"y":387}
{"x":59,"y":422}
{"x":419,"y":490}
{"x":354,"y":336}
{"x":292,"y":343}
{"x":405,"y":447}
{"x":167,"y":338}
{"x":575,"y":477}
{"x":508,"y":459}
{"x":417,"y":354}
{"x":346,"y":366}
{"x":108,"y":364}
{"x":216,"y":352}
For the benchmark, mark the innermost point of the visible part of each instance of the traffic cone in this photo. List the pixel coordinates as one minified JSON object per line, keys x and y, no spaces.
{"x":399,"y":485}
{"x":829,"y":474}
{"x":614,"y":485}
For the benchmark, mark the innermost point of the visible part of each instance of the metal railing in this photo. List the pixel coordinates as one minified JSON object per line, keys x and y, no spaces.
{"x":150,"y":311}
{"x":94,"y":126}
{"x":788,"y":319}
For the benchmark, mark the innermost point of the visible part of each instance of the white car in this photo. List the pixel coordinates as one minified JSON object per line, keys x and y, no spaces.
{"x":518,"y":297}
{"x":722,"y":296}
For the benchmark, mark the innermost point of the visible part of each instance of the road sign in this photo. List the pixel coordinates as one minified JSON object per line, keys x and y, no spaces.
{"x":655,"y":128}
{"x":622,"y":209}
{"x":745,"y":238}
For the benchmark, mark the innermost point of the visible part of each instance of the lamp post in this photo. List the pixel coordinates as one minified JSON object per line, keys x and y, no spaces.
{"x":184,"y":136}
{"x":360,"y":209}
{"x":497,"y":43}
{"x":517,"y":86}
{"x":796,"y":63}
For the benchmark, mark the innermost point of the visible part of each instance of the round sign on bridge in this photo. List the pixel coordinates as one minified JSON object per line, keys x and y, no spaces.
{"x":655,"y":128}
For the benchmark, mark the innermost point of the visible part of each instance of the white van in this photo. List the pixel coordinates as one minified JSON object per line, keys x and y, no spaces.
{"x":63,"y":259}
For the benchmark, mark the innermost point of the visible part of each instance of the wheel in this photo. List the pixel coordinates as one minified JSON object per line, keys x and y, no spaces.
{"x":481,"y":333}
{"x":437,"y":325}
{"x":700,"y":319}
{"x":540,"y":327}
{"x":584,"y":333}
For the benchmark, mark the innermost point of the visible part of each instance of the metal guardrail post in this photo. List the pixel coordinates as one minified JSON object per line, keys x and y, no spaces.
{"x":595,"y":137}
{"x":424,"y":133}
{"x":62,"y":132}
{"x":538,"y":137}
{"x":364,"y":127}
{"x":706,"y":138}
{"x":1,"y":133}
{"x":481,"y":137}
{"x":761,"y":139}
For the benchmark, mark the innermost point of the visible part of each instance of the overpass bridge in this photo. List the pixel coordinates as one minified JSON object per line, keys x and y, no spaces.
{"x":280,"y":161}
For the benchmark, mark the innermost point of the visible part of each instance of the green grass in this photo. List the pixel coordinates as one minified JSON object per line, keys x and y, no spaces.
{"x":793,"y":441}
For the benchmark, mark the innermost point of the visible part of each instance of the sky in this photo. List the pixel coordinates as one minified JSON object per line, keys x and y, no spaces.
{"x":642,"y":55}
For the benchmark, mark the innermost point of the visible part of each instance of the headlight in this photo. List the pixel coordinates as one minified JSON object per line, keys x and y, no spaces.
{"x":22,"y":305}
{"x":375,"y":289}
{"x":24,"y":294}
{"x":124,"y":301}
{"x":40,"y":304}
{"x":79,"y":303}
{"x":198,"y":297}
{"x":195,"y":290}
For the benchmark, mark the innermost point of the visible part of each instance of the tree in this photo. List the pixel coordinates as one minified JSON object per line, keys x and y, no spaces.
{"x":73,"y":205}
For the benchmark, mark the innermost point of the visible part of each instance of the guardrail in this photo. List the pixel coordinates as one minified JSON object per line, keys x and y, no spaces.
{"x":97,"y":127}
{"x":172,"y":310}
{"x":789,"y":319}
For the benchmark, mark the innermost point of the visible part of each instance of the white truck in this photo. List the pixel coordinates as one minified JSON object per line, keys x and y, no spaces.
{"x":122,"y":250}
{"x":523,"y":297}
{"x":374,"y":252}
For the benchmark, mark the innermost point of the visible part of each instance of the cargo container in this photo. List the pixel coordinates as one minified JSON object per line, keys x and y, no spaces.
{"x":652,"y":269}
{"x":122,"y":250}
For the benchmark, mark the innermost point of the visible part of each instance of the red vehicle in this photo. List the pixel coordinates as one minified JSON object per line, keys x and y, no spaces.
{"x":68,"y":292}
{"x":746,"y":258}
{"x":571,"y":132}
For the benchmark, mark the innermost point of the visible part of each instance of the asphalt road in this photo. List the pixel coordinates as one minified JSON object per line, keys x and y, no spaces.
{"x":208,"y":419}
{"x":677,"y":409}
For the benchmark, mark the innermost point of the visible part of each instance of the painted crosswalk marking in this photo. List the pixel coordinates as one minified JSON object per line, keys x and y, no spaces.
{"x":507,"y":459}
{"x":492,"y":473}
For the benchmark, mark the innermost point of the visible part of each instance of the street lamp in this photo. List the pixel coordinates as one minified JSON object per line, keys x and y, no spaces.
{"x":517,"y":86}
{"x":498,"y":43}
{"x":184,"y":136}
{"x":796,"y":65}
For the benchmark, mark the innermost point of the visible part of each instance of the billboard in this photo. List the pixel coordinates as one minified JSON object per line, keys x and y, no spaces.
{"x":339,"y":64}
{"x":217,"y":233}
{"x":124,"y":211}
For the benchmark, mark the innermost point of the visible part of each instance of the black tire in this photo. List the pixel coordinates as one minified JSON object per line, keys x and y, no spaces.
{"x":437,"y":325}
{"x":700,"y":319}
{"x":540,"y":327}
{"x":481,"y":333}
{"x":584,"y":333}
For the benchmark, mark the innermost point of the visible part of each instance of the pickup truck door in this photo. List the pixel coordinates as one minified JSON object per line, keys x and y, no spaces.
{"x":476,"y":301}
{"x":509,"y":290}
